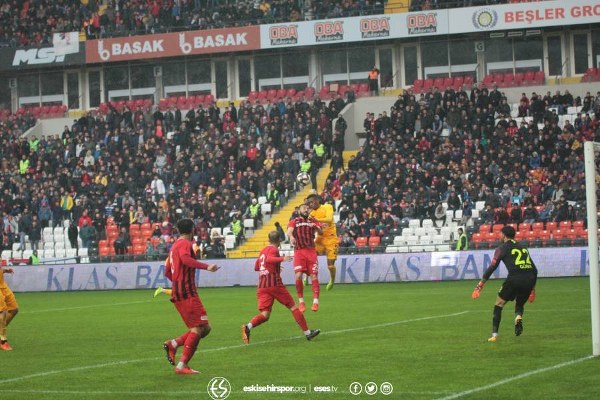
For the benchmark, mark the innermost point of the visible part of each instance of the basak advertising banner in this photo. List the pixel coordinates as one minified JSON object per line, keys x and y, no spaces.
{"x":39,"y":57}
{"x":364,"y":268}
{"x":524,"y":16}
{"x":172,"y":44}
{"x":355,"y":29}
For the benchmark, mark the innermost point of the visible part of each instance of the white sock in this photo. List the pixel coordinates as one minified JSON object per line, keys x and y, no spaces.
{"x":315,"y":301}
{"x":249,"y":325}
{"x":494,"y":334}
{"x":300,"y":299}
{"x":174,"y":343}
{"x":180,"y":365}
{"x":307,"y":332}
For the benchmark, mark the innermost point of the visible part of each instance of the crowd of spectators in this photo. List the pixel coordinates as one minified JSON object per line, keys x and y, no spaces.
{"x":148,"y":166}
{"x":420,"y":5}
{"x":407,"y":168}
{"x":32,"y":22}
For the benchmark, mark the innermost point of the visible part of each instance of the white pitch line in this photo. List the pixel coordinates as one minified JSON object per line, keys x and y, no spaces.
{"x":516,"y":377}
{"x":84,"y":307}
{"x":123,"y":362}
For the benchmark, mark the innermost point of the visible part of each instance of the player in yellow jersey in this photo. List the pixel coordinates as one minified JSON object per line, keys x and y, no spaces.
{"x":8,"y":308}
{"x":328,"y":242}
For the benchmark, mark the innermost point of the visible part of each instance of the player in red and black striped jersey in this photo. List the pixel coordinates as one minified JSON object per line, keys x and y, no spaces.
{"x":519,"y":284}
{"x":271,"y":288}
{"x":301,"y":231}
{"x":181,"y":269}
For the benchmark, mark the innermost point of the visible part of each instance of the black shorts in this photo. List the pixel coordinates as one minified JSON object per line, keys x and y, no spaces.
{"x":517,"y":289}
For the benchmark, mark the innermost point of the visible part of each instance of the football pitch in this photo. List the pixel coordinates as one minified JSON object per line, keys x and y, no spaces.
{"x":426,"y":340}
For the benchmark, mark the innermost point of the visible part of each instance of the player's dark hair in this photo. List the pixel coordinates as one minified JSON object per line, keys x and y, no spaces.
{"x":274,"y":237}
{"x":185,"y":226}
{"x":509,"y":232}
{"x":314,"y":196}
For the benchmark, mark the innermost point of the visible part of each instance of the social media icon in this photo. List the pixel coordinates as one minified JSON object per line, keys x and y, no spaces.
{"x":356,"y":388}
{"x":218,"y":388}
{"x":386,"y":388}
{"x":371,"y":388}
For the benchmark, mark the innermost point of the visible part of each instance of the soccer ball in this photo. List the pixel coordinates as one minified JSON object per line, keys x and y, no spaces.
{"x":303,"y":178}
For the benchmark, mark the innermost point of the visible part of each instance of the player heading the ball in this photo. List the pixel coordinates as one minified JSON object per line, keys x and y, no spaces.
{"x":301,"y":231}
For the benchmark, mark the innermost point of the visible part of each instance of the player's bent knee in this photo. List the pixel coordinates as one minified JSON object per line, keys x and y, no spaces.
{"x":205,"y":330}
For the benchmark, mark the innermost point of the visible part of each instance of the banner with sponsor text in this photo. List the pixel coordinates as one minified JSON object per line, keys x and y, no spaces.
{"x":354,"y":29}
{"x":360,"y":268}
{"x":523,"y":16}
{"x":172,"y":44}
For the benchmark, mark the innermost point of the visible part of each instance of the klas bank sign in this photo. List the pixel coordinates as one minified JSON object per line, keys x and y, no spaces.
{"x":172,"y":44}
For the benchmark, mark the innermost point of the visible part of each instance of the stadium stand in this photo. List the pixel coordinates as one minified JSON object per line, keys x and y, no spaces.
{"x":115,"y":171}
{"x":33,"y":22}
{"x":410,"y":163}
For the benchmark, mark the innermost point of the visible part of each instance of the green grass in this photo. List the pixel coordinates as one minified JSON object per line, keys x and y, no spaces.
{"x":427,"y":339}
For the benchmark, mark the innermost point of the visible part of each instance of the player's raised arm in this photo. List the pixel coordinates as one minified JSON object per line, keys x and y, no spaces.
{"x":290,"y":232}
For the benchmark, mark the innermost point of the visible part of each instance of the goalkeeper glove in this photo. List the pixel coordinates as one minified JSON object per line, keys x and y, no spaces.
{"x":477,"y":290}
{"x":532,"y":296}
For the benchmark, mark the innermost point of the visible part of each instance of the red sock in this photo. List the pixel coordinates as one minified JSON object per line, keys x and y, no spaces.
{"x":181,"y":339}
{"x":299,"y":288}
{"x":257,"y":320}
{"x":191,"y":343}
{"x":300,"y":320}
{"x":315,"y":288}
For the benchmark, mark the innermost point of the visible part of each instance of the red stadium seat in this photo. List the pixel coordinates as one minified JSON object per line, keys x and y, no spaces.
{"x":418,"y":85}
{"x":539,"y":78}
{"x":458,"y":81}
{"x":427,"y":84}
{"x":485,"y":228}
{"x":529,"y":78}
{"x":551,"y":226}
{"x":537,"y":226}
{"x":281,"y":93}
{"x":361,"y":241}
{"x":519,"y":76}
{"x":374,"y":241}
{"x":488,"y":80}
{"x":523,"y":227}
{"x":468,"y":81}
{"x":509,"y":80}
{"x":565,"y":225}
{"x":364,"y":88}
{"x":438,"y":83}
{"x":448,"y":82}
{"x":291,"y":92}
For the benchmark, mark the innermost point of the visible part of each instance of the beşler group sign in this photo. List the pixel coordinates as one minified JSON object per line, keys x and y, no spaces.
{"x":523,"y":15}
{"x":173,"y":44}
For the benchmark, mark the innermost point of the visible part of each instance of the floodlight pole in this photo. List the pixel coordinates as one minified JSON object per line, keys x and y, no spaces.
{"x":592,"y":224}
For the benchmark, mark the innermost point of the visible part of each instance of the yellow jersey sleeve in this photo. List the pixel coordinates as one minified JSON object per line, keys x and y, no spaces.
{"x":2,"y":282}
{"x":324,"y":214}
